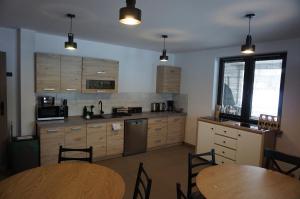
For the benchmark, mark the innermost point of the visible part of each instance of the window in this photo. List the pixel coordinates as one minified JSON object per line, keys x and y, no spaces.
{"x":250,"y":86}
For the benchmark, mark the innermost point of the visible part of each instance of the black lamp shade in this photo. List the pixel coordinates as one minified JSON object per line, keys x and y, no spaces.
{"x":164,"y":56}
{"x":70,"y":44}
{"x":248,"y":48}
{"x":130,"y":16}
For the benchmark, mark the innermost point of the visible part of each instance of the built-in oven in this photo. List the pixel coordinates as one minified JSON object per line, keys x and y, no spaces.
{"x":51,"y":113}
{"x":100,"y":84}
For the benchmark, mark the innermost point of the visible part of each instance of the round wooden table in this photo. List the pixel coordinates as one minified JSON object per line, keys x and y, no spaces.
{"x":66,"y":180}
{"x":231,"y":181}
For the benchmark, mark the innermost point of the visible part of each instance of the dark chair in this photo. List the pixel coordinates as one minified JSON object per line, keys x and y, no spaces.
{"x":65,"y":158}
{"x":194,"y":161}
{"x":180,"y":194}
{"x":271,"y":158}
{"x":143,"y":181}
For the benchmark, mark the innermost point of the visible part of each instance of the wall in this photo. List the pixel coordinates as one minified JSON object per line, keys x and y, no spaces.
{"x":137,"y":70}
{"x":199,"y":78}
{"x":8,"y":44}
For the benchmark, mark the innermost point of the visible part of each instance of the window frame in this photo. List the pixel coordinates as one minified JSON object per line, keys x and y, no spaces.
{"x":249,"y":71}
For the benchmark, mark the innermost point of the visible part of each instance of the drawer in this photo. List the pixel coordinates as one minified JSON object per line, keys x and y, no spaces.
{"x":225,"y":141}
{"x":155,"y":141}
{"x":75,"y":137}
{"x":229,"y":132}
{"x":157,"y":121}
{"x":176,"y":119}
{"x":111,"y":132}
{"x":96,"y":138}
{"x":99,"y":151}
{"x":115,"y":146}
{"x":226,"y":152}
{"x":96,"y":127}
{"x":222,"y":160}
{"x":175,"y":139}
{"x":157,"y":131}
{"x":50,"y":140}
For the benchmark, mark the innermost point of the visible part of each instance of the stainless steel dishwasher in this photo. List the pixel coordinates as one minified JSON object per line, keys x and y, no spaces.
{"x":135,"y":140}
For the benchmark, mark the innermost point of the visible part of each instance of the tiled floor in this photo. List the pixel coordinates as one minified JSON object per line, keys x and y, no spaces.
{"x":164,"y":166}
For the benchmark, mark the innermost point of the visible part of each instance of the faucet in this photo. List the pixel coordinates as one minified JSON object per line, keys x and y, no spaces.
{"x":101,"y":111}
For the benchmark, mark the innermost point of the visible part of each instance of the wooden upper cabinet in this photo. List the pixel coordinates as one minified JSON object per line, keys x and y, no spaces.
{"x":47,"y":72}
{"x":168,"y":79}
{"x":70,"y":73}
{"x":99,"y":75}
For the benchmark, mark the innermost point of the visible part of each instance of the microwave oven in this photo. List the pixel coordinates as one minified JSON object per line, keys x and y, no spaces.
{"x":52,"y":113}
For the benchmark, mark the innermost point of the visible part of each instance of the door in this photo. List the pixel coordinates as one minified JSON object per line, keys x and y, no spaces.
{"x":205,"y":139}
{"x":70,"y":73}
{"x":4,"y":135}
{"x":249,"y":148}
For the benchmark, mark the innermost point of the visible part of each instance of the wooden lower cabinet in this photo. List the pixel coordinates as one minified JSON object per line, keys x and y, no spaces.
{"x":115,"y":139}
{"x":96,"y":137}
{"x":176,"y":129}
{"x":50,"y":140}
{"x":75,"y":137}
{"x":157,"y":132}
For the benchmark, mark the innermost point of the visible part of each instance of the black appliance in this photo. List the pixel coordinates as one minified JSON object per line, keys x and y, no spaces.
{"x":135,"y":110}
{"x":120,"y":111}
{"x":51,"y":113}
{"x":170,"y":105}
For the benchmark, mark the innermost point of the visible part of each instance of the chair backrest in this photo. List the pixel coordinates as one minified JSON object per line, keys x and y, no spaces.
{"x":180,"y":194}
{"x":67,"y":158}
{"x":271,"y":158}
{"x":143,"y":184}
{"x":192,"y":165}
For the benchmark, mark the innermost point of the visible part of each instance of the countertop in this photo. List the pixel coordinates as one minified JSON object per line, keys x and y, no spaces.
{"x":234,"y":124}
{"x":78,"y":120}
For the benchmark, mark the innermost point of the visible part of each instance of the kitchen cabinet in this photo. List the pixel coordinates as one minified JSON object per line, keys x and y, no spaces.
{"x":115,"y":138}
{"x":94,"y":70}
{"x":233,"y":145}
{"x":47,"y":78}
{"x":249,"y":148}
{"x":96,"y":137}
{"x":176,"y":129}
{"x":50,"y":140}
{"x":168,"y":79}
{"x":75,"y":137}
{"x":157,"y":132}
{"x":70,"y":73}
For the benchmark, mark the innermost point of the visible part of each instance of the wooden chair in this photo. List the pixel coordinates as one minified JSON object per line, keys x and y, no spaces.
{"x":192,"y":175}
{"x":272,"y":156}
{"x":143,"y":181}
{"x":180,"y":194}
{"x":87,"y":150}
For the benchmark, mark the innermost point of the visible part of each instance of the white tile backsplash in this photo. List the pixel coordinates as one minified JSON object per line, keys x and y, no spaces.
{"x":76,"y":101}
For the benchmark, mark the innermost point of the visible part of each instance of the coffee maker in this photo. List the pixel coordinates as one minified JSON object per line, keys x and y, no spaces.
{"x":170,"y":105}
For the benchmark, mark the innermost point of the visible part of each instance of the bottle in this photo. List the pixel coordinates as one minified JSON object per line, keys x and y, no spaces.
{"x":84,"y":111}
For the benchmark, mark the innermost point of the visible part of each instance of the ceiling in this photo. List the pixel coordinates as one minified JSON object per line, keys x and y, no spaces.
{"x":190,"y":24}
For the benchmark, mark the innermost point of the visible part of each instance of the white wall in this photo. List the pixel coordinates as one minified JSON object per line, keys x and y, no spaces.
{"x":137,"y":67}
{"x":8,"y":44}
{"x":199,"y":77}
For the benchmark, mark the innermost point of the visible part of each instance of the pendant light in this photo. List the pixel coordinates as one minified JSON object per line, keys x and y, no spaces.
{"x":164,"y":56}
{"x":248,"y":47}
{"x":70,"y":44}
{"x":130,"y":15}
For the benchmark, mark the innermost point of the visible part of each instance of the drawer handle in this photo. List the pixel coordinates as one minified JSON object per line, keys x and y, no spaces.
{"x":239,"y":135}
{"x":76,"y":129}
{"x":212,"y":128}
{"x":224,"y":141}
{"x":100,"y":91}
{"x":101,"y":72}
{"x":96,"y":126}
{"x":49,"y":89}
{"x":52,"y":130}
{"x":225,"y":131}
{"x":223,"y":152}
{"x":222,"y":162}
{"x":71,"y":89}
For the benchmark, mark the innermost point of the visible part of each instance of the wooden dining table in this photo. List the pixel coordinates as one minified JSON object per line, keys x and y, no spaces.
{"x":66,"y":180}
{"x":232,"y":181}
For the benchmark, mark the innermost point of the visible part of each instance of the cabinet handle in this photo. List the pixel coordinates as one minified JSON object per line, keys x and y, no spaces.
{"x":222,"y":162}
{"x":52,"y":130}
{"x":49,"y":89}
{"x":101,"y":72}
{"x":224,"y":142}
{"x":223,"y":152}
{"x":239,"y":135}
{"x":100,"y":91}
{"x":212,"y":128}
{"x":2,"y":108}
{"x":71,"y":89}
{"x":76,"y":129}
{"x":225,"y":131}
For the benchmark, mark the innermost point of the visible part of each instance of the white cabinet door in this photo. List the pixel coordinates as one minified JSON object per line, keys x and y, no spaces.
{"x":249,"y":148}
{"x":205,"y":138}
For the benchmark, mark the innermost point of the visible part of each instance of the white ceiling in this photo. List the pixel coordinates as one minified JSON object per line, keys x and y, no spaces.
{"x":190,"y":24}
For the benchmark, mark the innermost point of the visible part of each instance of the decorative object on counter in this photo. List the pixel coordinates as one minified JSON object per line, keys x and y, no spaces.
{"x":164,"y":56}
{"x":70,"y":44}
{"x":248,"y":47}
{"x":217,"y":112}
{"x":130,"y":15}
{"x":268,"y":122}
{"x":163,"y":107}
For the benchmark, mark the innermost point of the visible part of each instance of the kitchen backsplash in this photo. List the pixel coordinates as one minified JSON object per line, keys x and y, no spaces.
{"x":77,"y":101}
